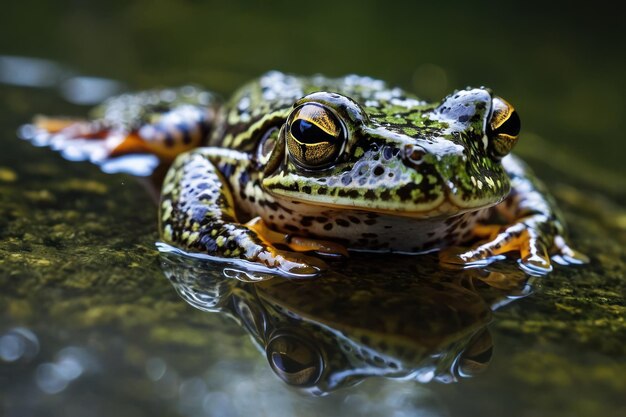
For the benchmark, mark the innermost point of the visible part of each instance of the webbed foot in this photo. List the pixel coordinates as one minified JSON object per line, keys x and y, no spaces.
{"x":293,"y":263}
{"x":534,"y":238}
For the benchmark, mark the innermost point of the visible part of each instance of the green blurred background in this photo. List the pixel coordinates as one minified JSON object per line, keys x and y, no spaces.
{"x":561,"y":65}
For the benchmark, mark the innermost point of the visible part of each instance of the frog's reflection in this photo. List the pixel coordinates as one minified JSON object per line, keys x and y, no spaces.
{"x":387,"y":318}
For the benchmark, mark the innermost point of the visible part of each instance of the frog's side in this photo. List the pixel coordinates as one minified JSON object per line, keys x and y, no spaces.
{"x":298,"y":164}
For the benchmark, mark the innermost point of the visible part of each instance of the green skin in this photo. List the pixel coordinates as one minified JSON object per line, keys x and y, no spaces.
{"x":410,"y":177}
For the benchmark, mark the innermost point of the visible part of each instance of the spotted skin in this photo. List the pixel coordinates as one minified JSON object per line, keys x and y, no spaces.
{"x":198,"y":213}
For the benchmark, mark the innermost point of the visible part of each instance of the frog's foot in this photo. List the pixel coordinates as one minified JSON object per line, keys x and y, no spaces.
{"x":297,"y":243}
{"x":95,"y":141}
{"x":76,"y":139}
{"x":294,"y":264}
{"x":147,"y":128}
{"x":533,"y":237}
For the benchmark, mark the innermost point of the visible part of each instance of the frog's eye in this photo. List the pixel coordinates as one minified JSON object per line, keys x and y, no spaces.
{"x":293,"y":359}
{"x":315,"y":136}
{"x":504,"y":126}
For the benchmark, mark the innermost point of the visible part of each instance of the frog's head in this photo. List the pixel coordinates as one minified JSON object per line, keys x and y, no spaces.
{"x":393,"y":155}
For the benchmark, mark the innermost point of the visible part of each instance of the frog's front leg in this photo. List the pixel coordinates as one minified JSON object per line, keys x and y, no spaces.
{"x":535,"y":230}
{"x":197,"y":213}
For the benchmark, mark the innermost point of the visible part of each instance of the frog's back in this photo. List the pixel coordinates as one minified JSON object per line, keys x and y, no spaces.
{"x":265,"y":103}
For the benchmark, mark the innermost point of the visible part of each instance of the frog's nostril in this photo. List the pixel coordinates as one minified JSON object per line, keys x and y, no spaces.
{"x":414,"y":154}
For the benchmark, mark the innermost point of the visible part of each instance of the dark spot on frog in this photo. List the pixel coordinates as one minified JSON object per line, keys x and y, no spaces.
{"x":328,"y":226}
{"x":342,"y":222}
{"x":370,"y":195}
{"x":244,"y":178}
{"x":378,"y":360}
{"x":306,"y":189}
{"x":291,"y":228}
{"x":354,"y":220}
{"x":405,"y":191}
{"x":464,"y":118}
{"x":379,"y":170}
{"x":322,"y":190}
{"x":227,"y":170}
{"x":349,"y":193}
{"x":346,"y":179}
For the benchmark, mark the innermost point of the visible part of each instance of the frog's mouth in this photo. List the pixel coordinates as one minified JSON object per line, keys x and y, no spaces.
{"x":446,"y":204}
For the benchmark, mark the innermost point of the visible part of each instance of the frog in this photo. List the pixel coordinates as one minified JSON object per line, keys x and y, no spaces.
{"x":293,"y":172}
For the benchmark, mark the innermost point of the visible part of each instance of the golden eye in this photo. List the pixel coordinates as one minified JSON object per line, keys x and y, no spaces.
{"x":504,"y":127}
{"x":315,"y":136}
{"x":293,"y":359}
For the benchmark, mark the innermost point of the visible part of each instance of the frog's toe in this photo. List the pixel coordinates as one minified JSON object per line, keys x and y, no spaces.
{"x":534,"y":258}
{"x":294,"y":265}
{"x":565,"y":255}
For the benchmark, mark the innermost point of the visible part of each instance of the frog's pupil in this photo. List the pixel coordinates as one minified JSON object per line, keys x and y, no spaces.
{"x":307,"y":132}
{"x":511,"y":126}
